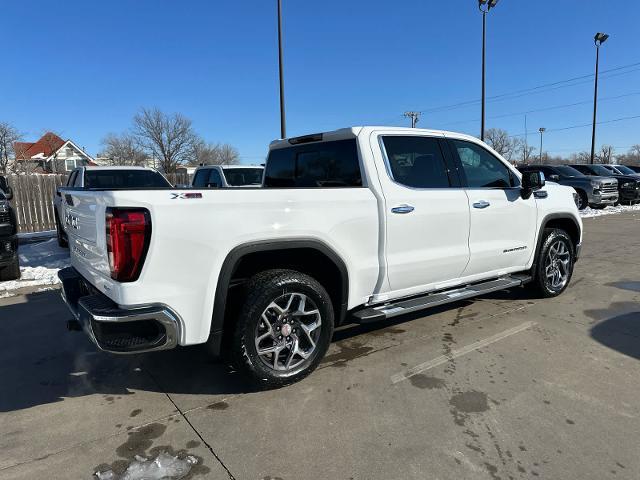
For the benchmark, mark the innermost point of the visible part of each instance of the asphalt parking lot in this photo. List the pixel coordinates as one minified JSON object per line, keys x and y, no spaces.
{"x":502,"y":387}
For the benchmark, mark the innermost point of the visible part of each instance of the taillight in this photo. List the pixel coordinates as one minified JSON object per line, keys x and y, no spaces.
{"x":128,"y":236}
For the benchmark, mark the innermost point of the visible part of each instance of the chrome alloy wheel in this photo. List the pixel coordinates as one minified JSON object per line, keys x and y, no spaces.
{"x":556,"y":265}
{"x":288,"y":331}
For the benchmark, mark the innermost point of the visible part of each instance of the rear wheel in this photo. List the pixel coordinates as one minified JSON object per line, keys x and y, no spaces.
{"x":10,"y":272}
{"x":62,"y":237}
{"x":554,"y":265}
{"x":598,"y":207}
{"x":284,"y":327}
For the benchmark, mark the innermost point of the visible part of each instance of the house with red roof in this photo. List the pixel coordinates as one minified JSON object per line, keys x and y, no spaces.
{"x":50,"y":154}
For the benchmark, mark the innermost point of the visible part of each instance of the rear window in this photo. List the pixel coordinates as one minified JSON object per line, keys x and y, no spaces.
{"x":321,"y":165}
{"x":237,"y":177}
{"x":124,"y":179}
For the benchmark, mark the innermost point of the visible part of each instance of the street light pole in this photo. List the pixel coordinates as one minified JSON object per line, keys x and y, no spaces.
{"x":541,"y":130}
{"x":414,"y":116}
{"x":484,"y":6}
{"x":283,"y":122}
{"x":599,"y":39}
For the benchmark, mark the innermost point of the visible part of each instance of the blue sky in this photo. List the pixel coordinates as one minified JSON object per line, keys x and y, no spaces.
{"x":83,"y":68}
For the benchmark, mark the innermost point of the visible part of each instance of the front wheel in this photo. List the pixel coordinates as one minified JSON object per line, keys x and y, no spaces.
{"x":554,"y":265}
{"x":10,"y":272}
{"x":61,"y":236}
{"x":284,"y":327}
{"x":583,"y":201}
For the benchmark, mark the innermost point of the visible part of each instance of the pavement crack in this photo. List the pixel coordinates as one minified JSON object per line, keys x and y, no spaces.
{"x":205,"y":443}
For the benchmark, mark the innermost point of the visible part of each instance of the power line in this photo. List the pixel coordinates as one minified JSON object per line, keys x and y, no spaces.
{"x":547,"y":86}
{"x":559,"y":129}
{"x":545,"y":109}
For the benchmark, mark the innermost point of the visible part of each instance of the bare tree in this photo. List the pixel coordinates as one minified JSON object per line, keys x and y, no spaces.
{"x":632,"y":157}
{"x":8,"y":136}
{"x":168,"y":138}
{"x":500,"y":141}
{"x":123,"y":149}
{"x":605,"y":155}
{"x":215,"y":154}
{"x":523,"y":152}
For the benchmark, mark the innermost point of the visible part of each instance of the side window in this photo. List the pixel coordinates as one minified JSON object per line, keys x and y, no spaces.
{"x":200,"y":180}
{"x":71,"y":178}
{"x":78,"y":179}
{"x":320,"y":165}
{"x":416,"y":161}
{"x":481,"y":168}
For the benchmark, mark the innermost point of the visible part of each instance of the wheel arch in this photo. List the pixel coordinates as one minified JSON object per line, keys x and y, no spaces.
{"x":566,"y":222}
{"x":303,"y":255}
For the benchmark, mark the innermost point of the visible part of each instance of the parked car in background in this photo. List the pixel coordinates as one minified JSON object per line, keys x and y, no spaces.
{"x":628,"y":185}
{"x":85,"y":178}
{"x":356,"y":225}
{"x":5,"y":188}
{"x":9,"y":261}
{"x":596,"y":192}
{"x":227,"y":176}
{"x":623,"y":170}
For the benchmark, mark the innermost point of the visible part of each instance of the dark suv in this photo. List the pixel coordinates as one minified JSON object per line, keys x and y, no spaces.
{"x":628,"y":185}
{"x":9,"y":262}
{"x":596,"y":192}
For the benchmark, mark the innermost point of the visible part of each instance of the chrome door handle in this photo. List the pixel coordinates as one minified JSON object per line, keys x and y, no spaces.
{"x":481,"y":204}
{"x":403,"y":209}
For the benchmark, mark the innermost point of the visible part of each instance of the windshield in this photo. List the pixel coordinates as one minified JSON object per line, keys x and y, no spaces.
{"x":124,"y":179}
{"x":569,"y":171}
{"x":237,"y":177}
{"x":625,"y":170}
{"x":600,"y":170}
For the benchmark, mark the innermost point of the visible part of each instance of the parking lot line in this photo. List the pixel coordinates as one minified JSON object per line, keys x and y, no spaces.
{"x":399,"y":377}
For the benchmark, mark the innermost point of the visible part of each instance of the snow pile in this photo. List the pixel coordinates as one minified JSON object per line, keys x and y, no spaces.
{"x":39,"y":265}
{"x":164,"y":466}
{"x":591,"y":212}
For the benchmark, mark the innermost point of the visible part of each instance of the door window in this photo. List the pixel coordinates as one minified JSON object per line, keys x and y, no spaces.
{"x":72,"y":178}
{"x":215,"y":180}
{"x":207,"y":178}
{"x":482,"y":169}
{"x":416,"y":161}
{"x":78,"y":180}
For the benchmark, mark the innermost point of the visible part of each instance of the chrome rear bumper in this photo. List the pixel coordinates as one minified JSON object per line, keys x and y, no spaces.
{"x":114,"y":329}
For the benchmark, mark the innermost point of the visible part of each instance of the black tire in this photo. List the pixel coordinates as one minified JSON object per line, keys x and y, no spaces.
{"x":62,"y":237}
{"x":261,"y":291}
{"x":583,"y":200}
{"x":598,"y":207}
{"x":10,"y":272}
{"x":541,"y":283}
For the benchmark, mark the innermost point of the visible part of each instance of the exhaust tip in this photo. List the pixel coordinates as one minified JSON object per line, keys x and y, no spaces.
{"x":74,"y":326}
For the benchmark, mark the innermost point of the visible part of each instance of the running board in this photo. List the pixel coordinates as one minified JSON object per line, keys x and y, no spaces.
{"x":388,"y":310}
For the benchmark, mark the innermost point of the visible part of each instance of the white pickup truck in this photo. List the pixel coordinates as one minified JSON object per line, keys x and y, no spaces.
{"x":355,"y":225}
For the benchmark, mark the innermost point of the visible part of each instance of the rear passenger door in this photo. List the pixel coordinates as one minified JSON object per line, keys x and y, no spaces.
{"x":503,"y":224}
{"x":427,"y":213}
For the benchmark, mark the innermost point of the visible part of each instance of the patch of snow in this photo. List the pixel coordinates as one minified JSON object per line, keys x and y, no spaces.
{"x":39,"y":265}
{"x":164,"y":466}
{"x":592,"y":212}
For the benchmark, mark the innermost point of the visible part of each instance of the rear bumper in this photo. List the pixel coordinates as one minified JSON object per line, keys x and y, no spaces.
{"x":113,"y":329}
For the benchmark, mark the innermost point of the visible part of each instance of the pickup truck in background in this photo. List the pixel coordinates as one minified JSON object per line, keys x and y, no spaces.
{"x":227,"y":176}
{"x":596,"y":192}
{"x":9,"y":260}
{"x":104,"y":177}
{"x":628,"y":185}
{"x":355,"y":225}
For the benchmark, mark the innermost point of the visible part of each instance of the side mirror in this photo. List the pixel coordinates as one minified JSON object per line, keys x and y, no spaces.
{"x":9,"y":193}
{"x":531,"y":181}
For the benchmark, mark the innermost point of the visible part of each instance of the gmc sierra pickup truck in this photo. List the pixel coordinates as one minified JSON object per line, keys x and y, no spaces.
{"x":355,"y":225}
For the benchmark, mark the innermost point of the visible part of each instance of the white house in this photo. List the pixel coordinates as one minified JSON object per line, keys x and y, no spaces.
{"x":51,"y":154}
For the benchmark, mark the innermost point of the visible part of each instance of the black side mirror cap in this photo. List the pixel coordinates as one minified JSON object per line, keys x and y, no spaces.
{"x":531,"y":181}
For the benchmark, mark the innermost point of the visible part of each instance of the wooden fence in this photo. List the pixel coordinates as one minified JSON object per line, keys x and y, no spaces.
{"x":33,"y":201}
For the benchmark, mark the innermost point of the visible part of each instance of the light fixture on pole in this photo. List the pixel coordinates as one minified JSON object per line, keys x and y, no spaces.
{"x":283,"y":123}
{"x":484,"y":6}
{"x":414,"y":116}
{"x":598,"y":39}
{"x":541,"y":130}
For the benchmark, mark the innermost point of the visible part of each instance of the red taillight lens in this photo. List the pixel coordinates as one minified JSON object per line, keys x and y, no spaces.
{"x":128,"y":236}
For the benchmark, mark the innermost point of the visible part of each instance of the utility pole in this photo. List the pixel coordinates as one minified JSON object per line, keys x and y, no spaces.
{"x":484,"y":6}
{"x":283,"y":122}
{"x":599,"y":39}
{"x":541,"y":130}
{"x":414,"y":116}
{"x":526,"y":146}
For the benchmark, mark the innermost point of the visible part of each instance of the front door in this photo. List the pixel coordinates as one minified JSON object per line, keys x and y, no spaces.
{"x":427,"y":214}
{"x":503,"y":224}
